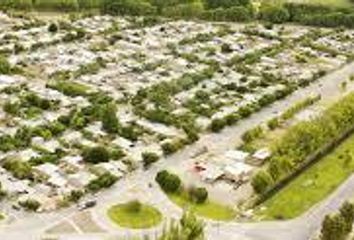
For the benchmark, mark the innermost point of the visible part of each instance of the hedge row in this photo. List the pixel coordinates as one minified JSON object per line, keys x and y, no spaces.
{"x":305,"y":143}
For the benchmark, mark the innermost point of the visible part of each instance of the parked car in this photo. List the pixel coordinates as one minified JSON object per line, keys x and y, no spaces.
{"x":87,"y":204}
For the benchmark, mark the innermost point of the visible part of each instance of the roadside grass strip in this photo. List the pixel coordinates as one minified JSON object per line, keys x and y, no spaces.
{"x":312,"y":186}
{"x":209,"y":209}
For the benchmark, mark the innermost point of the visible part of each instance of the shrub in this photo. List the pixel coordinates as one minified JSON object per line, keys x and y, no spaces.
{"x":96,"y":155}
{"x":117,"y":153}
{"x":134,"y":206}
{"x":161,"y":176}
{"x":347,"y":212}
{"x":169,"y":182}
{"x":217,"y":124}
{"x":68,"y":88}
{"x":225,"y":48}
{"x":5,"y":67}
{"x":198,"y":195}
{"x":245,"y":111}
{"x":110,"y":122}
{"x":273,"y":123}
{"x":53,"y":28}
{"x":3,"y":193}
{"x":130,"y":132}
{"x":105,"y":180}
{"x":261,"y":182}
{"x":75,"y":195}
{"x":149,"y":158}
{"x":12,"y":108}
{"x":172,"y":146}
{"x":44,"y":158}
{"x":30,"y":205}
{"x":192,"y":134}
{"x":31,"y":99}
{"x":20,"y":170}
{"x":232,"y":118}
{"x":252,"y":134}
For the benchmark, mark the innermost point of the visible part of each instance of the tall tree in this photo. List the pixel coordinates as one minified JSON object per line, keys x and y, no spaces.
{"x":347,"y":212}
{"x":333,"y":228}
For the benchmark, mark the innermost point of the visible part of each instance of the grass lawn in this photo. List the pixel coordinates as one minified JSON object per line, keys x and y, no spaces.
{"x":208,"y":209}
{"x":312,"y":186}
{"x":146,"y":217}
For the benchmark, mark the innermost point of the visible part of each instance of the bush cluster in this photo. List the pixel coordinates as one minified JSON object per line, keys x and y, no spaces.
{"x":96,"y":155}
{"x":149,"y":158}
{"x":169,"y":182}
{"x":338,"y":226}
{"x":105,"y":180}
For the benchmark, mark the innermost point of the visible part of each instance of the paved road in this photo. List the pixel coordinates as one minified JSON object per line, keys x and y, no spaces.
{"x":33,"y":226}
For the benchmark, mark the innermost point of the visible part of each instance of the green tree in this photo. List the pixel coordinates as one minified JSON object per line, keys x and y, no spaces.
{"x":134,"y":206}
{"x":75,"y":195}
{"x":190,"y":9}
{"x":261,"y":181}
{"x":5,"y":67}
{"x":161,"y":4}
{"x":217,"y":124}
{"x":226,"y":3}
{"x":333,"y":228}
{"x":20,"y":170}
{"x":169,"y":182}
{"x":274,"y":13}
{"x":127,"y":7}
{"x":347,"y":212}
{"x":53,"y":28}
{"x":96,"y":155}
{"x":30,"y":205}
{"x":191,"y":227}
{"x":105,"y":180}
{"x":198,"y":194}
{"x":188,"y":228}
{"x":149,"y":158}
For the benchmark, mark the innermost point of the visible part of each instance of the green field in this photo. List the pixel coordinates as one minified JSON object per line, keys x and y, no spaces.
{"x":209,"y":209}
{"x":146,"y":217}
{"x":312,"y":186}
